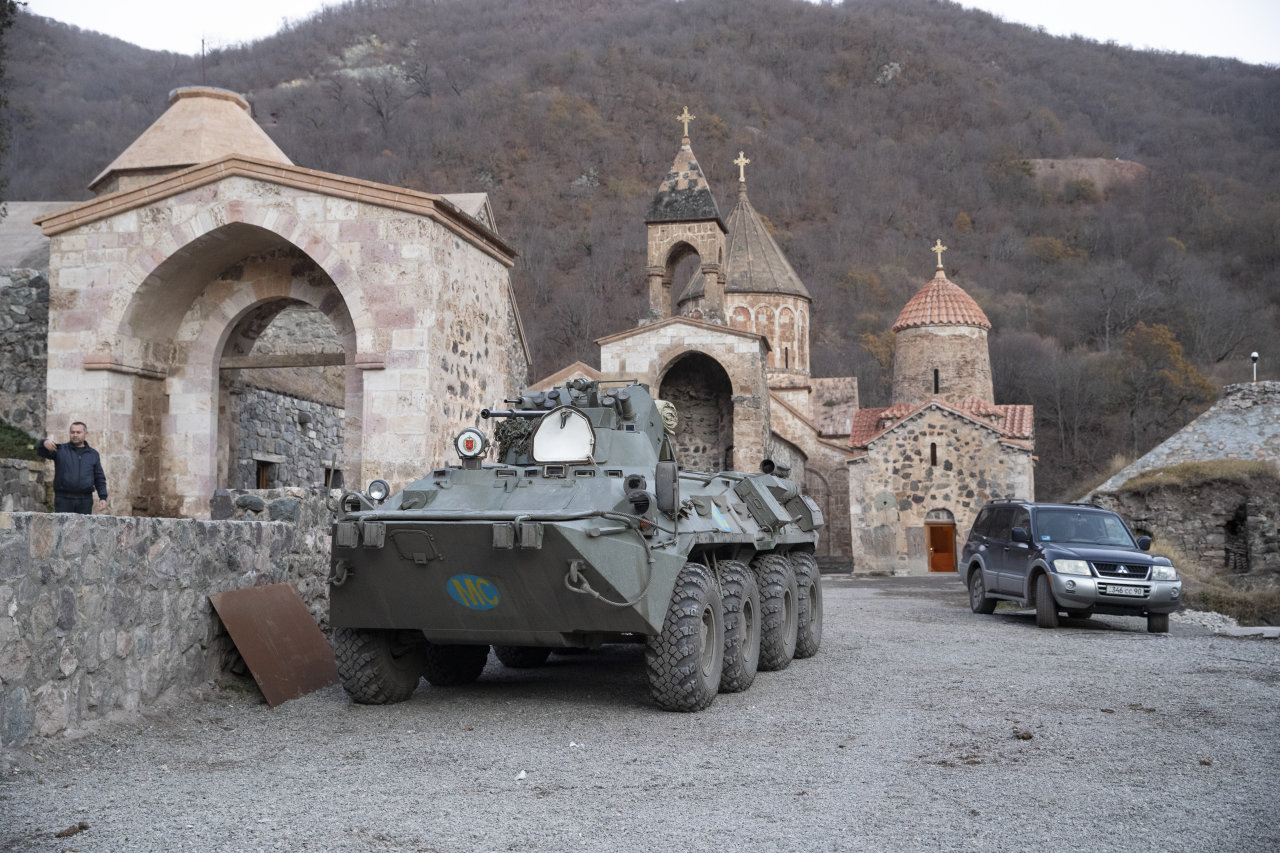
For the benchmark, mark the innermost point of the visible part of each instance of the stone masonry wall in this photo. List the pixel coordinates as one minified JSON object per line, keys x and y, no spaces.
{"x":895,"y":486}
{"x":702,"y":395}
{"x":269,"y":427}
{"x":824,"y":476}
{"x":106,"y":613}
{"x":22,"y":485}
{"x":24,"y":323}
{"x":1225,"y":528}
{"x":958,"y":353}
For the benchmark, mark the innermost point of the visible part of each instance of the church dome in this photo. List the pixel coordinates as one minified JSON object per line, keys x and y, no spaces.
{"x":202,"y":123}
{"x":941,"y":303}
{"x":941,"y":348}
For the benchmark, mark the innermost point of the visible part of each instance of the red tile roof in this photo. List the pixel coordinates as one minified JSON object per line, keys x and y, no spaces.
{"x":1019,"y":421}
{"x":941,"y":303}
{"x":1012,"y":422}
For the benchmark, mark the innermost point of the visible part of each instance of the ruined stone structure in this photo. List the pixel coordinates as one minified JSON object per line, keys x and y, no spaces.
{"x":925,"y":465}
{"x":206,"y":234}
{"x":733,"y":355}
{"x":1229,"y":526}
{"x":1244,"y":424}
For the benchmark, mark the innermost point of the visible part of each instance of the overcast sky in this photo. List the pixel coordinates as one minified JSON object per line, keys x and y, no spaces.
{"x":1244,"y":29}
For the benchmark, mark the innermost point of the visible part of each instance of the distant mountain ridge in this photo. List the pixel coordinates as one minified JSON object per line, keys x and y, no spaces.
{"x":873,"y":128}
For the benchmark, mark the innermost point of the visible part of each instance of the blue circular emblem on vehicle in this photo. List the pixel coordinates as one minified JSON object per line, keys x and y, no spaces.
{"x":473,"y":593}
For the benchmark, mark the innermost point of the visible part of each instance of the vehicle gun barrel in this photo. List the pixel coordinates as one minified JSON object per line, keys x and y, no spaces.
{"x":510,"y":413}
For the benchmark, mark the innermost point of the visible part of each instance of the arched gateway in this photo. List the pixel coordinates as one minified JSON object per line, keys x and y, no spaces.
{"x":155,"y":286}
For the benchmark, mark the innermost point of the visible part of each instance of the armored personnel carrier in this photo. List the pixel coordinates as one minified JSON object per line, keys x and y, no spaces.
{"x":583,"y":532}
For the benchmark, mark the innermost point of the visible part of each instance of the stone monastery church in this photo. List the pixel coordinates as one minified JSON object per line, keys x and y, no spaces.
{"x":897,"y":485}
{"x":170,"y":291}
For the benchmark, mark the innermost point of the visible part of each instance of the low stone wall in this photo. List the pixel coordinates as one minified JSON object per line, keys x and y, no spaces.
{"x":22,"y":486}
{"x":106,"y":613}
{"x":24,"y":327}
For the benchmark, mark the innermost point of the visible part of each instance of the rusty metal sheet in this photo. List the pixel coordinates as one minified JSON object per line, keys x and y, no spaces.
{"x":279,"y":641}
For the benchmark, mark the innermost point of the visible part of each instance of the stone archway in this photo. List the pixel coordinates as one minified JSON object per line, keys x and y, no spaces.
{"x":154,"y":363}
{"x":682,"y":278}
{"x":219,"y":330}
{"x":143,"y":304}
{"x":282,"y":405}
{"x":703,"y":396}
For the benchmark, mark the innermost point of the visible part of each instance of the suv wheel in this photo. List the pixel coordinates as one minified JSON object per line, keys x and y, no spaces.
{"x":978,"y":600}
{"x":1046,"y":607}
{"x":1157,"y":623}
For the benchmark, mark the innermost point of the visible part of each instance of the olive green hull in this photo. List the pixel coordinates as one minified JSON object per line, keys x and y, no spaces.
{"x":428,"y":576}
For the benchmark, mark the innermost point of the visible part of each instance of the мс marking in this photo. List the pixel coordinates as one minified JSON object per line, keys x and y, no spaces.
{"x":473,"y":593}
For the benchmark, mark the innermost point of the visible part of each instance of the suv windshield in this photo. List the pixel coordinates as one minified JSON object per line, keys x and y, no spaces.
{"x":1083,"y":527}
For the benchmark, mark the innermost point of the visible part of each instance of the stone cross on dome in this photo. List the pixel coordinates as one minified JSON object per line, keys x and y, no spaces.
{"x":938,"y":249}
{"x":741,"y":163}
{"x":686,"y":118}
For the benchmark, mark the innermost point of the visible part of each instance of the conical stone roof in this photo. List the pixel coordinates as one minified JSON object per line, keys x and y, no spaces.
{"x":684,"y":194}
{"x":753,"y":261}
{"x":202,"y":124}
{"x":941,"y":303}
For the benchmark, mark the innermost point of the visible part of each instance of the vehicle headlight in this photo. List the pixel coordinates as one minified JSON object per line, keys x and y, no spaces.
{"x":1071,"y":567}
{"x":378,"y":491}
{"x":1163,"y":573}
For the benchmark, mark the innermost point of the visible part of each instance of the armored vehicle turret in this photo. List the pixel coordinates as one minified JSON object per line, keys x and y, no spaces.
{"x":584,"y":531}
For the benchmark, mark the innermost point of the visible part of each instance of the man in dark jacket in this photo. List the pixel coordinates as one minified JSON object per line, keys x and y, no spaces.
{"x":77,"y":472}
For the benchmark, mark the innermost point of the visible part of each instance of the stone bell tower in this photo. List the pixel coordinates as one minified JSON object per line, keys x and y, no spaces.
{"x":684,"y":219}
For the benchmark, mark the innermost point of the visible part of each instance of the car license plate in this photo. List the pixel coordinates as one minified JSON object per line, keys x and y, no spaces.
{"x":1125,"y":590}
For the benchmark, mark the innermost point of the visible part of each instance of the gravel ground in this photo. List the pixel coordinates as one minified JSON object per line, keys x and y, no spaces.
{"x":918,"y":726}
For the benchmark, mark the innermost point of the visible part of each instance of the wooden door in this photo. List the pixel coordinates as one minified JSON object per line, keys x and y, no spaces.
{"x":942,"y":547}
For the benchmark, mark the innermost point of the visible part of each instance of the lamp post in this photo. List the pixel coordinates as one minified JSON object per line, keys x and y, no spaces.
{"x":1254,"y":357}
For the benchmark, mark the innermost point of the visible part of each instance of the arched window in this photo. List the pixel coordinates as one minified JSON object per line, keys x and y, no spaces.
{"x":935,"y":380}
{"x":933,"y":453}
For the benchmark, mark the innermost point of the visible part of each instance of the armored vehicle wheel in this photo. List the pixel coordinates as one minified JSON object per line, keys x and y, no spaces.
{"x":1157,"y":623}
{"x":522,"y":657}
{"x":979,"y":602}
{"x":684,"y":662}
{"x":808,"y":604}
{"x":449,"y":666}
{"x":741,"y":599}
{"x":379,"y":667}
{"x":1046,"y":607}
{"x":778,"y":618}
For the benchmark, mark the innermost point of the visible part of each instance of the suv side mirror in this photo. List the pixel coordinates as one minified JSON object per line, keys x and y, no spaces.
{"x":1020,"y":534}
{"x":1144,"y":543}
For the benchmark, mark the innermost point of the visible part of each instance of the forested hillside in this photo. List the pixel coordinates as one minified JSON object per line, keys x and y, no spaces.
{"x":873,"y":129}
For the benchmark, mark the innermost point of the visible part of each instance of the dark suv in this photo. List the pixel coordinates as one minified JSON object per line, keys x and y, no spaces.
{"x":1071,"y":557}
